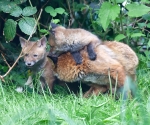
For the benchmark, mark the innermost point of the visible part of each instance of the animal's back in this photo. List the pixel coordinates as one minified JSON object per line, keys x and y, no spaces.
{"x":80,"y":37}
{"x":124,"y":54}
{"x":110,"y":55}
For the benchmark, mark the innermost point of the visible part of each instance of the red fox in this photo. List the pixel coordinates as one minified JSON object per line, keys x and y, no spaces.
{"x":115,"y":62}
{"x":35,"y":58}
{"x":72,"y":40}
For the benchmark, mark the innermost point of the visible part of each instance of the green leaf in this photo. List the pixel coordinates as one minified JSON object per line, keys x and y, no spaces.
{"x":51,"y":11}
{"x":28,"y":11}
{"x":107,"y":13}
{"x":6,"y":6}
{"x":19,"y":1}
{"x":120,"y":37}
{"x":16,"y":12}
{"x":148,"y":25}
{"x":145,"y":1}
{"x":146,"y":16}
{"x":43,"y":31}
{"x":26,"y":25}
{"x":48,"y":9}
{"x":148,"y":43}
{"x":142,"y":25}
{"x":56,"y":21}
{"x":10,"y":29}
{"x":137,"y":10}
{"x":59,"y":10}
{"x":137,"y":35}
{"x":119,"y":1}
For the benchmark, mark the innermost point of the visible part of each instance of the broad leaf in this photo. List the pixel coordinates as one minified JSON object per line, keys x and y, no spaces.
{"x":10,"y":29}
{"x":60,"y":10}
{"x":145,"y":1}
{"x":16,"y":12}
{"x":148,"y":25}
{"x":148,"y":43}
{"x":141,"y":25}
{"x":120,"y":37}
{"x":44,"y":31}
{"x":28,"y":11}
{"x":146,"y":16}
{"x":119,"y":1}
{"x":137,"y":10}
{"x":19,"y":1}
{"x":107,"y":13}
{"x":26,"y":25}
{"x":137,"y":35}
{"x":56,"y":21}
{"x":7,"y":7}
{"x":48,"y":9}
{"x":51,"y":11}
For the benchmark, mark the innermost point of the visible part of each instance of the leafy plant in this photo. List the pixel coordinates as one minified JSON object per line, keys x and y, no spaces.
{"x":21,"y":18}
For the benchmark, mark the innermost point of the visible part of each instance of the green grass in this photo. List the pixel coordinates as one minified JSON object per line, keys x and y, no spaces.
{"x":68,"y":109}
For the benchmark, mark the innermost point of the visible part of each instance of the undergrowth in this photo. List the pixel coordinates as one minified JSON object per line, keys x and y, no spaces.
{"x":60,"y":108}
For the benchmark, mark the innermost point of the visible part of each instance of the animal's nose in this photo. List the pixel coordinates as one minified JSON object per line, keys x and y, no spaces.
{"x":29,"y":64}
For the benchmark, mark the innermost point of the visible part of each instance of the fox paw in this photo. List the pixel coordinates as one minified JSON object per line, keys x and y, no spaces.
{"x":92,"y":56}
{"x":77,"y":57}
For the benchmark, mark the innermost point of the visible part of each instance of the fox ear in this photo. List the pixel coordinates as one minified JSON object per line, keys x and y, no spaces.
{"x":42,"y":42}
{"x":22,"y":41}
{"x":53,"y":25}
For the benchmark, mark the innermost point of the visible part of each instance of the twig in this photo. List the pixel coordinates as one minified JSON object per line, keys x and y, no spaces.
{"x":35,"y":24}
{"x":20,"y":55}
{"x":71,"y":21}
{"x":5,"y":60}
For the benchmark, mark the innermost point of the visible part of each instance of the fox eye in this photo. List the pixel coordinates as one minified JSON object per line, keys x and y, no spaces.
{"x":26,"y":54}
{"x":35,"y":55}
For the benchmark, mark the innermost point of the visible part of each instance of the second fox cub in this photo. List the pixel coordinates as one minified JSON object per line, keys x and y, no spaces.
{"x":35,"y":58}
{"x":72,"y":40}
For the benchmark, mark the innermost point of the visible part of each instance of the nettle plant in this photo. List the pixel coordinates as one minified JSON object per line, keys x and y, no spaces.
{"x":127,"y":19}
{"x":54,"y":12}
{"x":130,"y":22}
{"x":17,"y":16}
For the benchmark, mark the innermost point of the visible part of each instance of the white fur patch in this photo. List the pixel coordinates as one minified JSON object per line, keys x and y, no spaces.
{"x":19,"y":89}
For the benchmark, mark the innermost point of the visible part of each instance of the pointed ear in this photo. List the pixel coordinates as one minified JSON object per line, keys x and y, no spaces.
{"x":42,"y":42}
{"x":53,"y":25}
{"x":22,"y":42}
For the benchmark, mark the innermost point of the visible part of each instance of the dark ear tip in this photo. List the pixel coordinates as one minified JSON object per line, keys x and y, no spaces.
{"x":53,"y":25}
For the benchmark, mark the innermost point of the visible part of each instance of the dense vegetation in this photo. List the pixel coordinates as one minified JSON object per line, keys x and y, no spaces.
{"x":126,"y":21}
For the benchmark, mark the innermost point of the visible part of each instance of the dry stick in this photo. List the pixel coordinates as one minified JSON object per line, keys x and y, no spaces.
{"x":20,"y":55}
{"x":116,"y":85}
{"x":5,"y":60}
{"x":110,"y":83}
{"x":71,"y":21}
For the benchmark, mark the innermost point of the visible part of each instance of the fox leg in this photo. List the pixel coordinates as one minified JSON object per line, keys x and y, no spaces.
{"x":77,"y":57}
{"x":91,"y":52}
{"x":95,"y":90}
{"x":28,"y":83}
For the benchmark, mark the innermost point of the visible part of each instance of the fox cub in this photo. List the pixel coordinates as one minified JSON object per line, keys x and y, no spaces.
{"x":72,"y":40}
{"x":35,"y":58}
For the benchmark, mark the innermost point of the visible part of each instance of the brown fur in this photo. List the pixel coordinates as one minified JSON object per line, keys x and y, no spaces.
{"x":35,"y":58}
{"x":114,"y":58}
{"x":71,"y":40}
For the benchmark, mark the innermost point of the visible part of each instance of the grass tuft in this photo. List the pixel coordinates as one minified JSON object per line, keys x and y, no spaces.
{"x":61,"y":108}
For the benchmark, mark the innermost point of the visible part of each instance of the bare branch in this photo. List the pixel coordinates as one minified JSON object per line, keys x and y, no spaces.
{"x":5,"y":60}
{"x":71,"y":21}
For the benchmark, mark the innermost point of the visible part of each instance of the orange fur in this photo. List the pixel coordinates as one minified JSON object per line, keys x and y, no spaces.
{"x":114,"y":58}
